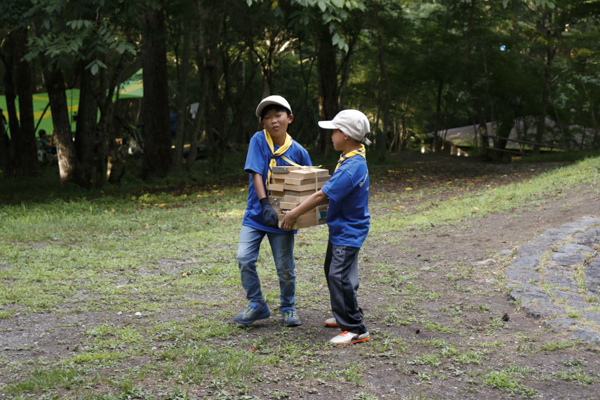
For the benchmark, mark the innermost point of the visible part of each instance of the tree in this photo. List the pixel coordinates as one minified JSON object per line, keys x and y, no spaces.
{"x":18,"y":84}
{"x":157,"y":159}
{"x":80,"y":35}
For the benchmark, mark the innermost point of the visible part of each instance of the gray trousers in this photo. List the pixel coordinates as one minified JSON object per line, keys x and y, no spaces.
{"x":341,"y":271}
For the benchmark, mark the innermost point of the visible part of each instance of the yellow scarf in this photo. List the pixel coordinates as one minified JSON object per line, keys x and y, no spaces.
{"x":360,"y":152}
{"x":286,"y":145}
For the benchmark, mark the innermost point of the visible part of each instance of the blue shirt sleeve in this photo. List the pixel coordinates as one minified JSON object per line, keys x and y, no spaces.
{"x":339,"y":186}
{"x":255,"y":161}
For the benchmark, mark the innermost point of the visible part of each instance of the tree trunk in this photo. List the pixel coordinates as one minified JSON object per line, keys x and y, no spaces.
{"x":541,"y":128}
{"x":436,"y":143}
{"x":506,"y":124}
{"x":11,"y":97}
{"x":157,"y":132}
{"x":327,"y":73}
{"x":4,"y":146}
{"x":23,"y":139}
{"x":182,"y":113}
{"x":85,"y":133}
{"x":388,"y":92}
{"x":108,"y":155}
{"x":478,"y":109}
{"x":68,"y":167}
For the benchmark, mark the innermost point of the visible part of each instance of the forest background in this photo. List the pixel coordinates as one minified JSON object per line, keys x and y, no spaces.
{"x":412,"y":66}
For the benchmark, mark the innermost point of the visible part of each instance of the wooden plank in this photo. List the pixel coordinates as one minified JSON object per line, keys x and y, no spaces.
{"x":308,"y":219}
{"x":305,"y":187}
{"x":278,"y":187}
{"x":287,"y":205}
{"x":294,"y":199}
{"x":278,"y":181}
{"x":307,"y":173}
{"x":304,"y":181}
{"x":290,"y":206}
{"x":298,"y":199}
{"x":279,"y":176}
{"x":284,"y":169}
{"x":309,"y":224}
{"x":302,"y":193}
{"x":277,"y":193}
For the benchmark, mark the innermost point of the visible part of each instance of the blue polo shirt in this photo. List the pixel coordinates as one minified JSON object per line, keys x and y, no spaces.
{"x":348,"y":191}
{"x":257,"y":161}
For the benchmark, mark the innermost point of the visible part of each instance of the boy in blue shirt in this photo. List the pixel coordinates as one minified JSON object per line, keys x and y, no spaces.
{"x":348,"y":220}
{"x":268,"y":148}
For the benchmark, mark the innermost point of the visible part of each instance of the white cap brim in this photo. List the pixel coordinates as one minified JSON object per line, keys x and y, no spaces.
{"x":327,"y":125}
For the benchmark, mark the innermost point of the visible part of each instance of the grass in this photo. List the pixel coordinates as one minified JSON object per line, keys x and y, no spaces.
{"x":94,"y":259}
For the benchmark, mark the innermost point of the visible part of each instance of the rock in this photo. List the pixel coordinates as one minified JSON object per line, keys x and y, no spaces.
{"x":524,"y":276}
{"x":560,"y":323}
{"x":486,"y":263}
{"x":526,"y":262}
{"x":567,"y":260}
{"x":587,"y":240}
{"x":586,"y":336}
{"x":592,"y":286}
{"x":528,"y":295}
{"x":594,"y":232}
{"x":592,"y":316}
{"x":592,"y":273}
{"x":595,"y":263}
{"x":542,"y":309}
{"x":561,"y":281}
{"x":558,"y":235}
{"x":576,"y":248}
{"x":532,"y":250}
{"x":582,"y":224}
{"x":504,"y":253}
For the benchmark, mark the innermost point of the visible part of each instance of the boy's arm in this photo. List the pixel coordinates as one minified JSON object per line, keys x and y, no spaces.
{"x":269,"y":215}
{"x":259,"y":185}
{"x":291,"y":216}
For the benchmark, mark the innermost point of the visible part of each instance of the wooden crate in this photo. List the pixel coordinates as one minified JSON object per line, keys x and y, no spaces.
{"x":291,"y":186}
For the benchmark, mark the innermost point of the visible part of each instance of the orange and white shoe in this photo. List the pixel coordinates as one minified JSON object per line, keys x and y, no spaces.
{"x":331,"y":322}
{"x":350,"y":338}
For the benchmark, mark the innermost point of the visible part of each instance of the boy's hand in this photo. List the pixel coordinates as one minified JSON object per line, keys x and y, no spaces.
{"x":288,"y":221}
{"x":269,"y":215}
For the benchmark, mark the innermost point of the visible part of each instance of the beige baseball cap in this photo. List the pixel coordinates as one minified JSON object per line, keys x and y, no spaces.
{"x":267,"y":101}
{"x":352,"y":122}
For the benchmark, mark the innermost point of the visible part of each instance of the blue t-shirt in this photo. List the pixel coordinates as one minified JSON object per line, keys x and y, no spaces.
{"x":45,"y":142}
{"x":348,"y":191}
{"x":257,"y":161}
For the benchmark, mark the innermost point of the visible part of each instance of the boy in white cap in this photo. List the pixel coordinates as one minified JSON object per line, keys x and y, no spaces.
{"x":269,"y":147}
{"x":348,"y":220}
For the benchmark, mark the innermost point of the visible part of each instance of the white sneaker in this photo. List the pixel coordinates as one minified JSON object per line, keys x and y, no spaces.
{"x":350,"y":338}
{"x":331,"y":322}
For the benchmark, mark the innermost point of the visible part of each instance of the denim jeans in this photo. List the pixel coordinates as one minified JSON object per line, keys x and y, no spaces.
{"x":282,"y":246}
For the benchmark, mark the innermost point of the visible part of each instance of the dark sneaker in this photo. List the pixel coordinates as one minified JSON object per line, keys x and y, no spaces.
{"x":350,"y":338}
{"x":290,"y":318}
{"x":252,"y":313}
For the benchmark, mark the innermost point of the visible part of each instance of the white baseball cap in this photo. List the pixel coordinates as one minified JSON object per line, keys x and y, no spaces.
{"x":267,"y":101}
{"x":352,"y":122}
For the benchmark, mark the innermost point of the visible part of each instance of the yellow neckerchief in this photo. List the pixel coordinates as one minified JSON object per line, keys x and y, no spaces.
{"x":279,"y":153}
{"x":360,"y":152}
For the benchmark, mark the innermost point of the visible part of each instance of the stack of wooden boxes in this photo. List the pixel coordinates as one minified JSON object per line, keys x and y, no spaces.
{"x":291,"y":186}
